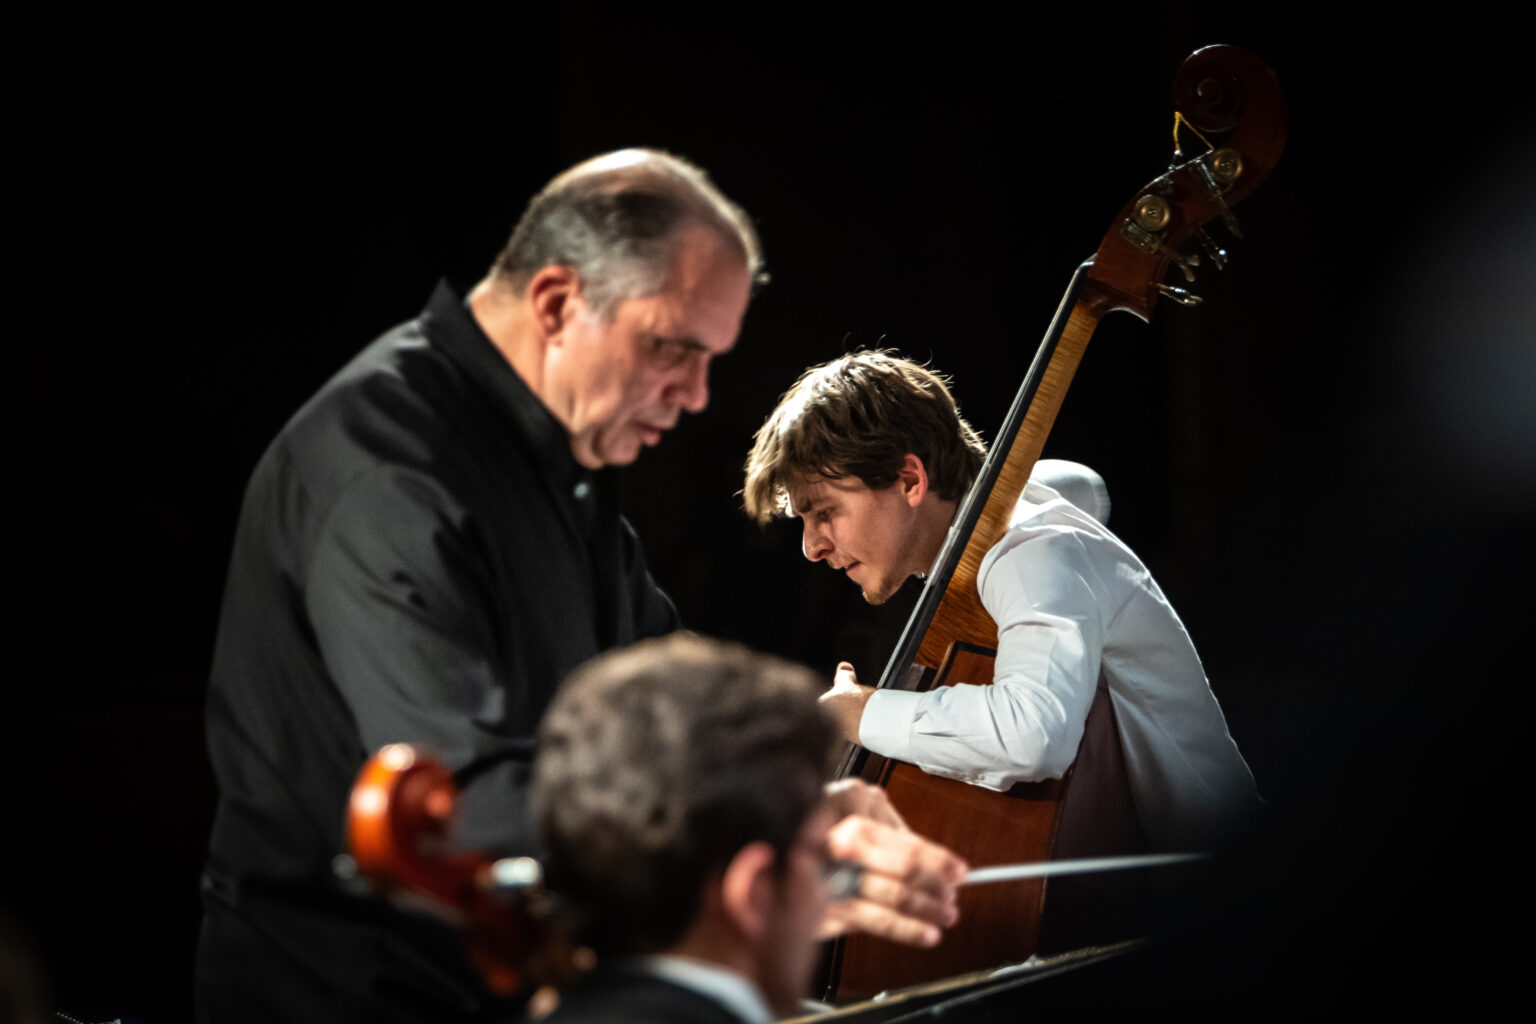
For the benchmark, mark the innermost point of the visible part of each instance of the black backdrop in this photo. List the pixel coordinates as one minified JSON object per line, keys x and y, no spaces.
{"x":1329,"y":466}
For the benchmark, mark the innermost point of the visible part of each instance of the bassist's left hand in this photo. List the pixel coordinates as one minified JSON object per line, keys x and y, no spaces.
{"x":846,"y":699}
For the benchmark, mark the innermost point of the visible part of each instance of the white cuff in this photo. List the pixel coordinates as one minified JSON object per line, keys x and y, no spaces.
{"x":886,"y":727}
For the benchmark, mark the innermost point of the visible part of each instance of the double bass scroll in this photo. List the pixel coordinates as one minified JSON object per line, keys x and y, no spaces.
{"x":1228,"y":106}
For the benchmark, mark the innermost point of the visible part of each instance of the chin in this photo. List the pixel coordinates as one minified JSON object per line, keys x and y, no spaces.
{"x":624,"y":457}
{"x":876,"y":597}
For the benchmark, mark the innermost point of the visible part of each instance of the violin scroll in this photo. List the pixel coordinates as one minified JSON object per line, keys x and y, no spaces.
{"x":398,"y":820}
{"x":399,"y":823}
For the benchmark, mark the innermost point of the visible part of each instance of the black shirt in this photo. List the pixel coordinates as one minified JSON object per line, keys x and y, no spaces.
{"x":419,"y":559}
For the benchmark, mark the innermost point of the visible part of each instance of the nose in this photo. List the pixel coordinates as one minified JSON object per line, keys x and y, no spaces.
{"x":814,"y":542}
{"x":691,"y":390}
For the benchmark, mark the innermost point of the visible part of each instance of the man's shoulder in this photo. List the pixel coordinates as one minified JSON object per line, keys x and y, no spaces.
{"x":403,"y":399}
{"x":1048,"y":524}
{"x":394,"y":438}
{"x":373,"y":410}
{"x":398,"y":374}
{"x":1048,"y":540}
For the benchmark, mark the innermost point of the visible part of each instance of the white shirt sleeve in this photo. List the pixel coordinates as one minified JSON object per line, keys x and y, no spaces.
{"x":1041,"y":588}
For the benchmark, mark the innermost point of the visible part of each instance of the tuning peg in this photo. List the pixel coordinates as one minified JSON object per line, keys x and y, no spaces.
{"x":1217,"y":254}
{"x":1228,"y":218}
{"x":1185,"y":263}
{"x":1216,"y":172}
{"x":1134,"y":232}
{"x":1179,"y":295}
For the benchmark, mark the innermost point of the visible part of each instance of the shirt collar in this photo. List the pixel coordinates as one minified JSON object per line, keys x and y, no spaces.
{"x":726,"y":987}
{"x":450,"y":324}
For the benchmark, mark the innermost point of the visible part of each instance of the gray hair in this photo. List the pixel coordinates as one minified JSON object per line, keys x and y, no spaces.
{"x":614,"y":219}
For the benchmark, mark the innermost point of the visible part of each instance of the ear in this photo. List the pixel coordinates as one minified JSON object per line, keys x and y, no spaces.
{"x":912,"y":478}
{"x":554,"y":295}
{"x":747,"y":890}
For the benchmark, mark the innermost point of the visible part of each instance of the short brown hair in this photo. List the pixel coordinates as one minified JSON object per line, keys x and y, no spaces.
{"x":861,"y":415}
{"x":657,"y":764}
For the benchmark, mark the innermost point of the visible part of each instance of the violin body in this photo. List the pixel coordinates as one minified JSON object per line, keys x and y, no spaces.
{"x":950,"y":638}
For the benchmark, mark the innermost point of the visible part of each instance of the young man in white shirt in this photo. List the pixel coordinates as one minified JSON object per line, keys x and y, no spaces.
{"x":871,"y":453}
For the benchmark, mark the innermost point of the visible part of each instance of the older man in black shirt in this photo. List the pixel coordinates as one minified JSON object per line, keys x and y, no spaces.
{"x":427,"y":549}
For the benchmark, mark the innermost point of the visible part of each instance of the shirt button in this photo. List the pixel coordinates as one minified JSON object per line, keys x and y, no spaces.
{"x":582,"y":490}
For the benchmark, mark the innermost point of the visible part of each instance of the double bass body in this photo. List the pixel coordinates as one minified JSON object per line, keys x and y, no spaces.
{"x":949,"y":638}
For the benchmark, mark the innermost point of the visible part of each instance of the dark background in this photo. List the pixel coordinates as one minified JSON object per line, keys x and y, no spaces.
{"x":1330,"y":466}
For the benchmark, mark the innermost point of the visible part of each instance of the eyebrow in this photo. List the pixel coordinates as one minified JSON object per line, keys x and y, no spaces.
{"x":802,"y":507}
{"x":687,"y":341}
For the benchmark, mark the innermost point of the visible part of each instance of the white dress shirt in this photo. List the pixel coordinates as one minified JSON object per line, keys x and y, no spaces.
{"x":1071,"y":601}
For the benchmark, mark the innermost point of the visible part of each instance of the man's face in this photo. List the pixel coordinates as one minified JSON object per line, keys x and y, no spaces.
{"x":871,"y":535}
{"x":624,"y":382}
{"x":787,"y":956}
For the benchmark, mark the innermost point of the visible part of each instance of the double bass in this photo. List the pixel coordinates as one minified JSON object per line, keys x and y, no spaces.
{"x":1229,"y":104}
{"x":402,"y":805}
